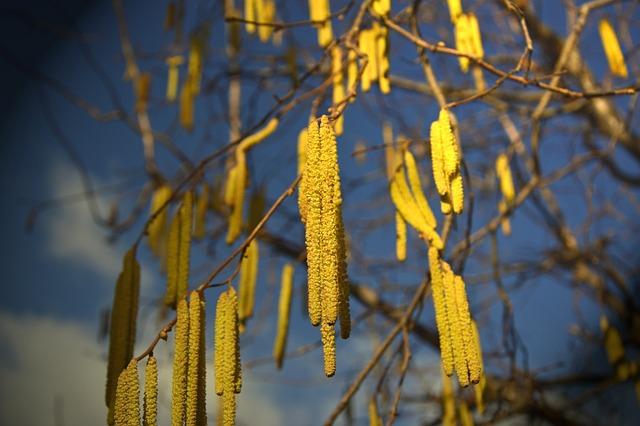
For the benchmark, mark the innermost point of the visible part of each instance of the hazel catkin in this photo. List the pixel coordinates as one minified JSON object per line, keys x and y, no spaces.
{"x":284,"y":312}
{"x":151,"y":392}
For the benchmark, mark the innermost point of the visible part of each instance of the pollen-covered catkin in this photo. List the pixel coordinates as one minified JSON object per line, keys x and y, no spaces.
{"x":457,"y":193}
{"x":479,"y":388}
{"x":612,"y":49}
{"x":440,"y":309}
{"x":472,"y":357}
{"x":127,"y":398}
{"x":328,"y":335}
{"x":455,"y":325}
{"x":445,"y":158}
{"x":219,"y":341}
{"x":180,"y":364}
{"x":344,"y":310}
{"x":124,"y":314}
{"x":195,"y":357}
{"x":437,"y":159}
{"x":284,"y":312}
{"x":302,"y":160}
{"x":416,"y":188}
{"x":151,"y":392}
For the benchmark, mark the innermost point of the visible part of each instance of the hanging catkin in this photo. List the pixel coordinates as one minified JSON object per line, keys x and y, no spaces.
{"x":381,"y":7}
{"x":178,"y":252}
{"x":173,"y":77}
{"x":180,"y":364}
{"x":265,"y":13}
{"x":324,"y":239}
{"x":127,"y":398}
{"x":151,"y":392}
{"x":440,"y":309}
{"x":195,"y":400}
{"x":455,"y":9}
{"x":202,"y":206}
{"x":374,"y":416}
{"x":506,"y":181}
{"x":143,"y":91}
{"x":448,"y":401}
{"x":227,"y":354}
{"x":320,"y":13}
{"x":302,"y":160}
{"x":337,"y":77}
{"x":247,"y":287}
{"x":124,"y":313}
{"x":365,"y":43}
{"x":158,"y":227}
{"x":479,"y":388}
{"x":381,"y":34}
{"x":284,"y":312}
{"x":612,"y":49}
{"x":466,"y":419}
{"x":401,"y":238}
{"x":352,"y":72}
{"x":187,"y":107}
{"x":445,"y":158}
{"x":250,"y":15}
{"x":195,"y":64}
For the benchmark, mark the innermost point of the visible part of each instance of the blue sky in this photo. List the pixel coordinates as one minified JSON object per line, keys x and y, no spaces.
{"x":59,"y":275}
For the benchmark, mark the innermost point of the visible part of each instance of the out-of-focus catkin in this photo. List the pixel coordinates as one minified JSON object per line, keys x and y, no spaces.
{"x":127,"y":398}
{"x":455,"y":9}
{"x":247,"y":287}
{"x":143,"y":91}
{"x":202,"y":207}
{"x":124,"y":314}
{"x":158,"y":227}
{"x":284,"y":312}
{"x":151,"y":392}
{"x":401,"y":238}
{"x":173,"y":76}
{"x":506,"y":181}
{"x":180,"y":364}
{"x":320,"y":12}
{"x":482,"y":383}
{"x":466,"y":419}
{"x":337,"y":76}
{"x":374,"y":416}
{"x":612,"y":49}
{"x":187,"y":106}
{"x":448,"y":401}
{"x":179,"y":251}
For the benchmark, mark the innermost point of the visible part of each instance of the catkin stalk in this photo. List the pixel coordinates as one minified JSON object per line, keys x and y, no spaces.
{"x":124,"y":313}
{"x":284,"y":312}
{"x":151,"y":392}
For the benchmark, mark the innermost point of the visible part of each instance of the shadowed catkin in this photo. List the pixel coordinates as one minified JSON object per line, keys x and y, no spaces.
{"x":466,"y":419}
{"x":124,"y":312}
{"x":612,"y":49}
{"x":143,"y":91}
{"x":612,"y":342}
{"x":284,"y":312}
{"x":374,"y":416}
{"x":180,"y":364}
{"x":479,"y":388}
{"x":337,"y":76}
{"x":319,"y":10}
{"x":344,"y":310}
{"x":195,"y":64}
{"x":151,"y":392}
{"x":187,"y":106}
{"x":448,"y":401}
{"x":352,"y":72}
{"x":247,"y":286}
{"x":127,"y":398}
{"x":178,"y":252}
{"x":229,"y":186}
{"x":228,"y":377}
{"x":158,"y":227}
{"x":202,"y":206}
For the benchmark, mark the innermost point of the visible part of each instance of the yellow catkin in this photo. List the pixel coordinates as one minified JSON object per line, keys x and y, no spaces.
{"x":612,"y":49}
{"x":449,"y":145}
{"x":183,"y":255}
{"x":319,"y":10}
{"x":248,"y":277}
{"x":613,"y":345}
{"x":401,"y":238}
{"x":187,"y":107}
{"x":229,"y":186}
{"x":437,"y":160}
{"x":195,"y":347}
{"x":471,"y":355}
{"x":237,"y":207}
{"x":329,"y":348}
{"x":455,"y":9}
{"x":127,"y":405}
{"x":505,"y":224}
{"x":382,"y":57}
{"x":180,"y":364}
{"x":448,"y":401}
{"x":219,"y":338}
{"x":352,"y":71}
{"x":122,"y":334}
{"x":284,"y":312}
{"x":151,"y":392}
{"x":302,"y":159}
{"x":330,"y":199}
{"x":440,"y":309}
{"x":381,"y":7}
{"x":462,"y":40}
{"x":506,"y":180}
{"x":455,"y":325}
{"x":479,"y":388}
{"x":250,"y":15}
{"x":457,"y":193}
{"x":143,"y":91}
{"x":228,"y":374}
{"x":158,"y":226}
{"x":466,"y":419}
{"x":374,"y":416}
{"x":313,"y":228}
{"x":265,"y":13}
{"x":202,"y":206}
{"x":416,"y":188}
{"x":260,"y":135}
{"x":364,"y":38}
{"x":195,"y":63}
{"x":475,"y":36}
{"x":337,"y":75}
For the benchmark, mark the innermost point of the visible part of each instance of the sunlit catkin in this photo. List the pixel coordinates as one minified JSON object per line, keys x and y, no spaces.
{"x":320,"y":13}
{"x":158,"y":227}
{"x":440,"y":309}
{"x":479,"y":388}
{"x":506,"y":181}
{"x":227,"y":354}
{"x":382,"y":57}
{"x":266,"y":12}
{"x":612,"y":49}
{"x":237,"y":205}
{"x":127,"y":398}
{"x":401,"y":238}
{"x":352,"y":72}
{"x":474,"y":365}
{"x":455,"y":9}
{"x":180,"y":364}
{"x":328,"y":335}
{"x":250,"y":15}
{"x":455,"y":325}
{"x":462,"y":40}
{"x":337,"y":77}
{"x":365,"y":44}
{"x":195,"y":347}
{"x":437,"y":159}
{"x":124,"y":314}
{"x":284,"y":312}
{"x":416,"y":189}
{"x":445,"y":158}
{"x":151,"y":392}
